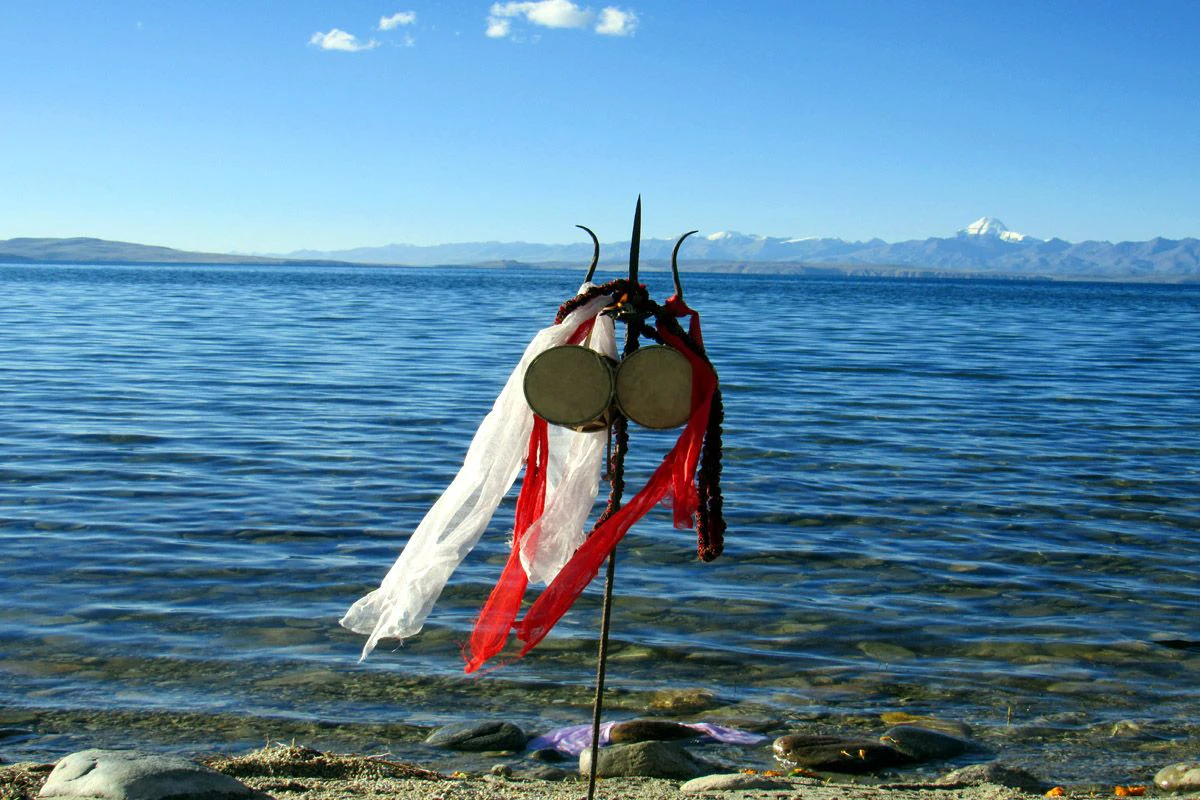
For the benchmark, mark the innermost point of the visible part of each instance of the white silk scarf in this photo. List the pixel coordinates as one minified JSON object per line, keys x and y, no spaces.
{"x":453,"y":525}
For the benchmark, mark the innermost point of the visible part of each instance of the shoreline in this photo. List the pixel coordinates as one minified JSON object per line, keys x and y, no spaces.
{"x":287,"y":771}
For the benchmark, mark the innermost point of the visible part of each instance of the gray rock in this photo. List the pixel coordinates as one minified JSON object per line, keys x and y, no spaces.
{"x":996,"y":773}
{"x":129,"y":775}
{"x":544,"y":773}
{"x":835,"y":754}
{"x":502,"y":770}
{"x":643,"y":760}
{"x":1181,"y":777}
{"x":923,"y":744}
{"x":732,"y":781}
{"x":479,"y":736}
{"x":548,"y":755}
{"x":648,"y":730}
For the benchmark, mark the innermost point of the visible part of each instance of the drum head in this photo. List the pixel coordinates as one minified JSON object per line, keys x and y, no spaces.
{"x":570,"y":386}
{"x":654,"y":387}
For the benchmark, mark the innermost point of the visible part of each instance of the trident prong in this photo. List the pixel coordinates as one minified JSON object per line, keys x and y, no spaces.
{"x":595,"y":253}
{"x":635,"y":243}
{"x":675,"y":264}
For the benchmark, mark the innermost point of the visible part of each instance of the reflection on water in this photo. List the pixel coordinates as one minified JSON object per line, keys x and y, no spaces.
{"x":971,"y":499}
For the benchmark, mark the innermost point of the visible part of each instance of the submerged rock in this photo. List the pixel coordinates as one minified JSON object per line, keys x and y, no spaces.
{"x":952,"y":727}
{"x":996,"y":773}
{"x":129,"y":775}
{"x":922,"y":744}
{"x":1181,"y":777}
{"x":643,"y":760}
{"x":683,"y":701}
{"x":836,"y":754}
{"x":479,"y":736}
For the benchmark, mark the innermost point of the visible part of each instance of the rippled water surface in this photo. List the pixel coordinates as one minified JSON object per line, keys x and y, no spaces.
{"x":978,"y":500}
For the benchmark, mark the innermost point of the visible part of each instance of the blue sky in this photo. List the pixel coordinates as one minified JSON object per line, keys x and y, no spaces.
{"x":241,"y":126}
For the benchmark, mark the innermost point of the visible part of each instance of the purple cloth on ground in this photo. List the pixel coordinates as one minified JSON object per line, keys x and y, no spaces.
{"x":575,"y":739}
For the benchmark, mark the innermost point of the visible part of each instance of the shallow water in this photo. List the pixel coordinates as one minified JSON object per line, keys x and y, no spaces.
{"x":965,"y":498}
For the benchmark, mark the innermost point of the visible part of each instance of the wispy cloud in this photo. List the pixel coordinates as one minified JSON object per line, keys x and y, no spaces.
{"x":616,"y":22}
{"x":338,"y":39}
{"x":612,"y":21}
{"x":498,"y":27}
{"x":397,"y":19}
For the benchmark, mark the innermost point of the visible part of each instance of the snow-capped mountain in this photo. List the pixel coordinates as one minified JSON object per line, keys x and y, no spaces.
{"x":990,"y":226}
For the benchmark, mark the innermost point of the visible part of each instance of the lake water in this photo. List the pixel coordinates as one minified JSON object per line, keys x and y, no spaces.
{"x":973,"y":499}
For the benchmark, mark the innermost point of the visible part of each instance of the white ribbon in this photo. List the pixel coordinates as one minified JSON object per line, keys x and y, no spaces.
{"x":452,"y":527}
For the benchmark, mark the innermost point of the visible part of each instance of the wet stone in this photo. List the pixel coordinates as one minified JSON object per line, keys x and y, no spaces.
{"x":478,"y":736}
{"x":643,"y":760}
{"x":545,"y":773}
{"x":922,"y":744}
{"x":547,"y":754}
{"x":647,"y":730}
{"x":836,"y":754}
{"x":731,"y":782}
{"x":1181,"y":777}
{"x":995,"y":773}
{"x":129,"y":775}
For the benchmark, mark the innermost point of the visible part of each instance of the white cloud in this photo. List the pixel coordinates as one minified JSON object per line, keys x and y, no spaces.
{"x":546,"y":13}
{"x":397,"y":19}
{"x":615,"y":22}
{"x":612,"y":21}
{"x":340,"y":40}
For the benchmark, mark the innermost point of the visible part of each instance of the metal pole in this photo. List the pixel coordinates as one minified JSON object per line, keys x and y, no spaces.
{"x":632,"y":332}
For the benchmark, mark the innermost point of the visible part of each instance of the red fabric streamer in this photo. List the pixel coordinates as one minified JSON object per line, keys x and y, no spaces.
{"x":678,"y":308}
{"x":500,"y":611}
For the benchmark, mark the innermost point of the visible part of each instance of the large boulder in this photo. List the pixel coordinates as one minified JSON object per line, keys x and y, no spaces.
{"x":837,"y":754}
{"x":924,"y":744}
{"x":643,"y":760}
{"x":130,"y":775}
{"x":1181,"y":777}
{"x":488,"y":735}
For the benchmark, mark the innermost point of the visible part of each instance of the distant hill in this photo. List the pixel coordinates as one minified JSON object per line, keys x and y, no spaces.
{"x":82,"y":250}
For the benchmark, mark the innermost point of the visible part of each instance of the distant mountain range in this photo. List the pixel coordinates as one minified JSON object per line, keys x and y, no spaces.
{"x":983,"y":248}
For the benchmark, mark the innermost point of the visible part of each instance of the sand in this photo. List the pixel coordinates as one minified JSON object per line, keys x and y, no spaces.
{"x":297,"y":773}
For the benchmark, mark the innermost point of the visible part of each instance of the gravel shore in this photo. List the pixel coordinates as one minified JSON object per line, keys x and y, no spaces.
{"x":298,"y":773}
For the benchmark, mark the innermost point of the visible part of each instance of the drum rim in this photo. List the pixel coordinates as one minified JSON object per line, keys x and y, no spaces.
{"x":609,"y":370}
{"x":617,"y":385}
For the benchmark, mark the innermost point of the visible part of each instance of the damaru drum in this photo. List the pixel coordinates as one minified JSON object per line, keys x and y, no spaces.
{"x":654,"y":387}
{"x":571,"y":386}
